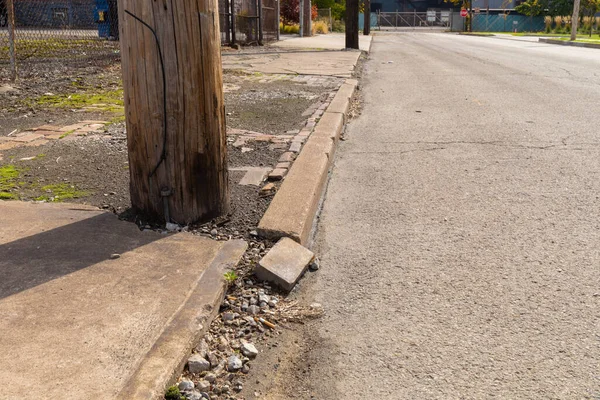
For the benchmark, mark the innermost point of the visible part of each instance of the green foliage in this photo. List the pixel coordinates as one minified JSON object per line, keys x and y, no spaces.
{"x":531,"y":8}
{"x":173,"y":393}
{"x":230,"y":277}
{"x":338,"y":7}
{"x":60,"y":192}
{"x":338,"y":26}
{"x":289,"y":29}
{"x":8,"y":177}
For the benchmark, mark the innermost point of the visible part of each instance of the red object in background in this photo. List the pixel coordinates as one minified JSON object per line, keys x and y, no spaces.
{"x":463,"y":13}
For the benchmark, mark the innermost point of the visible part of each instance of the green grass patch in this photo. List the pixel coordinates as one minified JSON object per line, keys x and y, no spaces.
{"x":59,"y":47}
{"x":109,"y":101}
{"x":8,"y":181}
{"x":60,"y":192}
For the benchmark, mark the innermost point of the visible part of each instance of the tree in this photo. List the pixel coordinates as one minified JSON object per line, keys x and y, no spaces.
{"x":531,"y":8}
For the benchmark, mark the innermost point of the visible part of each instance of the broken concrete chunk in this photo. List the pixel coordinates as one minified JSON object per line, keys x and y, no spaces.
{"x":197,"y":363}
{"x":249,"y":350}
{"x":284,"y":264}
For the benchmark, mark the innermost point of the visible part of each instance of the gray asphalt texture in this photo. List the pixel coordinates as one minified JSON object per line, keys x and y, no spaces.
{"x":460,"y":236}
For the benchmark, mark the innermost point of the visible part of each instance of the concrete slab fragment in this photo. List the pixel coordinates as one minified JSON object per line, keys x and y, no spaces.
{"x":255,"y":176}
{"x":277,"y":174}
{"x":284,"y":264}
{"x":74,"y":317}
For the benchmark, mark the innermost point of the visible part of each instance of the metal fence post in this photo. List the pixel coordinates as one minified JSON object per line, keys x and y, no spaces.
{"x":278,"y":16}
{"x":11,"y":39}
{"x":260,"y":22}
{"x":232,"y":3}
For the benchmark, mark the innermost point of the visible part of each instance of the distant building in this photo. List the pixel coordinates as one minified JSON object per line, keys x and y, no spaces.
{"x":55,"y":13}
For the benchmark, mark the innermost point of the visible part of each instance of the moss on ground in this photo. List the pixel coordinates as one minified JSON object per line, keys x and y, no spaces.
{"x":8,"y":177}
{"x":109,"y":101}
{"x":60,"y":192}
{"x":10,"y":183}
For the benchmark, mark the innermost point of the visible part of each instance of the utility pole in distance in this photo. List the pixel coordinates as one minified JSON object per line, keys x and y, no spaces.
{"x":172,"y":79}
{"x":352,"y":24}
{"x":367,"y":20}
{"x":575,"y":19}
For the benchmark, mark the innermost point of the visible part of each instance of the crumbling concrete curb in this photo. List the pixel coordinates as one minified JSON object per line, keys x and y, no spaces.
{"x":294,"y":207}
{"x":166,"y":359}
{"x":568,"y":43}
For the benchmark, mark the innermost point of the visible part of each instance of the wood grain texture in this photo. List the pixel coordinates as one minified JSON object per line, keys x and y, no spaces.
{"x":195,"y":166}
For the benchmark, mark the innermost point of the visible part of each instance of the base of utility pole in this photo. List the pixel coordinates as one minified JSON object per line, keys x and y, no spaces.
{"x":352,"y":24}
{"x":174,"y":108}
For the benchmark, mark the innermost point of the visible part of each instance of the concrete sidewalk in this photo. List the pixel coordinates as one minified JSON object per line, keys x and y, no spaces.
{"x":331,"y":41}
{"x":317,"y":55}
{"x":91,"y":307}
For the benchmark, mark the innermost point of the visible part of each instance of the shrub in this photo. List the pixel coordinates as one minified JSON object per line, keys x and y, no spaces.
{"x":290,"y":11}
{"x":320,"y":27}
{"x":289,"y":29}
{"x":338,"y":26}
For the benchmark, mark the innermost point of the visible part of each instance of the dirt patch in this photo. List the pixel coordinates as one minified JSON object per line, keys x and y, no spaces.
{"x":29,"y":102}
{"x":272,"y":108}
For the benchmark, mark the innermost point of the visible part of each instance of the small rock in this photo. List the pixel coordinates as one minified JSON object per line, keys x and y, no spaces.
{"x":272,"y":303}
{"x":234,"y":364}
{"x":186,"y":385}
{"x":263,"y":298}
{"x":314,"y":265}
{"x":249,"y":350}
{"x":115,"y":256}
{"x":197,"y":363}
{"x":228,"y":316}
{"x":171,"y":227}
{"x":210,"y":378}
{"x":253,"y":310}
{"x":223,"y":344}
{"x":195,"y":395}
{"x":212,"y":359}
{"x":214,"y":232}
{"x":245,"y":369}
{"x":253,"y":233}
{"x":203,"y":385}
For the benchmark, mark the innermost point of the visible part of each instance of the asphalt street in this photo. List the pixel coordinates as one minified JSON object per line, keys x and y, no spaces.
{"x":460,"y":235}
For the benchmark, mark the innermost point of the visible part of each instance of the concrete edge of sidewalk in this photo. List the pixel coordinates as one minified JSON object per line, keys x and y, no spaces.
{"x":295,"y":206}
{"x":161,"y":366}
{"x":568,"y":43}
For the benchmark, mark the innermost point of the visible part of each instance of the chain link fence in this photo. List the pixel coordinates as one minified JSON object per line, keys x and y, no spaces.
{"x":38,"y":33}
{"x":324,"y":14}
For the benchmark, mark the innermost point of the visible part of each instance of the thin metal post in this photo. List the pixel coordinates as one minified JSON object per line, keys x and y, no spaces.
{"x":278,"y":16}
{"x":232,"y":13}
{"x":260,"y":22}
{"x":10,"y":8}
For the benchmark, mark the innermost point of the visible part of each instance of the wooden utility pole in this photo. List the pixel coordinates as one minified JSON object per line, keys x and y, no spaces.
{"x":367,"y":20}
{"x":352,"y":24}
{"x":575,"y":19}
{"x":10,"y":14}
{"x":307,"y":29}
{"x":171,"y":63}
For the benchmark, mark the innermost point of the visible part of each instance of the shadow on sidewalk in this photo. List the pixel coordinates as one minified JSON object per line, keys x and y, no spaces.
{"x":42,"y":257}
